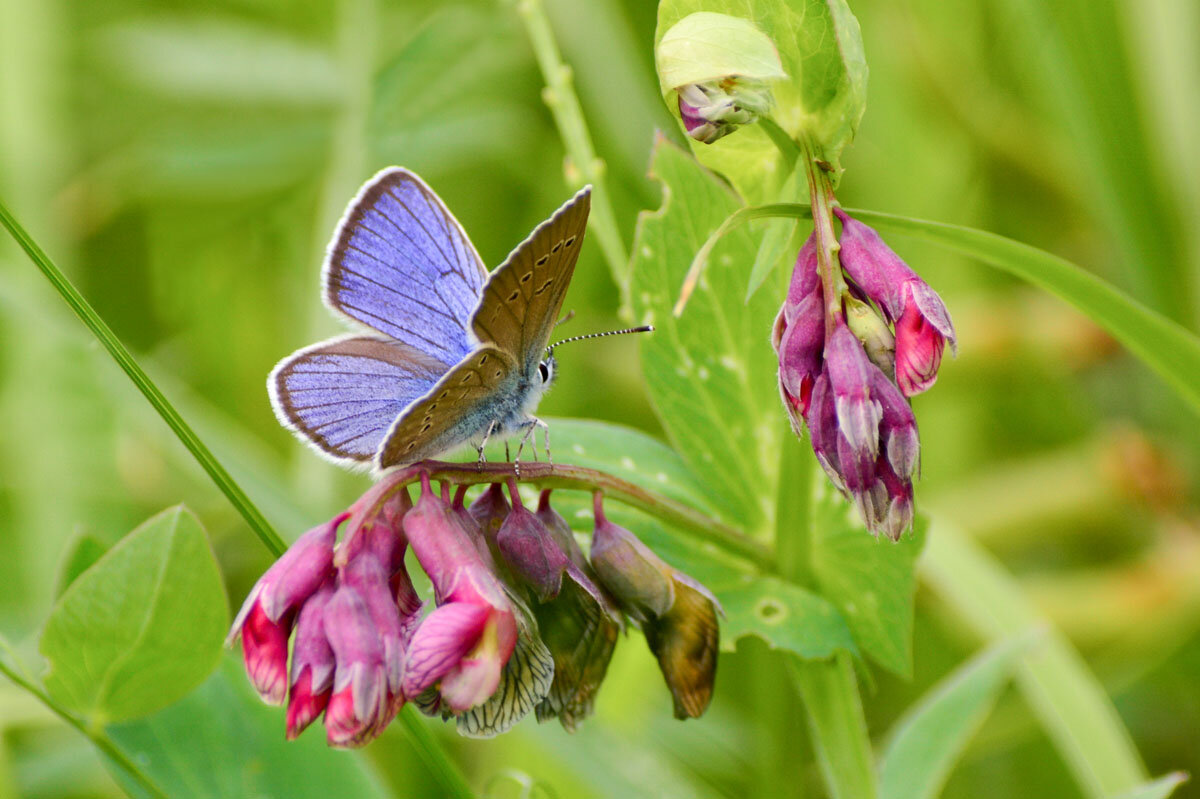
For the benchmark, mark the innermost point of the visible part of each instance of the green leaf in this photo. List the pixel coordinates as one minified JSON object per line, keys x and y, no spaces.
{"x":211,"y":59}
{"x":837,"y":725}
{"x":871,"y":580}
{"x":85,"y":549}
{"x":621,"y":451}
{"x":931,"y":735}
{"x":820,"y":49}
{"x":711,"y":372}
{"x":1160,"y":788}
{"x":140,"y":628}
{"x":221,"y":741}
{"x":1072,"y":706}
{"x":705,"y":46}
{"x":783,"y":614}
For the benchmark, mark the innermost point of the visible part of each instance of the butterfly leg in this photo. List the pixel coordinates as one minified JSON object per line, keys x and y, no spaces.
{"x":529,"y":427}
{"x":545,"y":439}
{"x":491,"y":428}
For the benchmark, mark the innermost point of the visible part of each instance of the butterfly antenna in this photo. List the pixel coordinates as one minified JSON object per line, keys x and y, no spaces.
{"x":638,"y":329}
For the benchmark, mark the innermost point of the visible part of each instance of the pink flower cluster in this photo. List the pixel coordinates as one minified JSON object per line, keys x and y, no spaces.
{"x":848,"y":364}
{"x":522,"y":620}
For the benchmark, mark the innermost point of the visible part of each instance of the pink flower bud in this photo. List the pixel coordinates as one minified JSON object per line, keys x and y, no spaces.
{"x":529,"y":549}
{"x":265,"y":619}
{"x":312,"y":665}
{"x":678,"y":615}
{"x":922,"y":322}
{"x":849,"y":370}
{"x":464,"y":644}
{"x":359,"y":703}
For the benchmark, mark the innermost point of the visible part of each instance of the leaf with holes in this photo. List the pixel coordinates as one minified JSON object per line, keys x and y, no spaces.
{"x":142,"y":626}
{"x":871,"y":580}
{"x":710,"y":372}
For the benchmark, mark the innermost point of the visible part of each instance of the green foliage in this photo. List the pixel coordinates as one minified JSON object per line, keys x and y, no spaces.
{"x":934,"y":731}
{"x":705,"y":382}
{"x":222,"y":741}
{"x":823,"y":97}
{"x":1160,"y":788}
{"x":870,"y":580}
{"x":142,"y":626}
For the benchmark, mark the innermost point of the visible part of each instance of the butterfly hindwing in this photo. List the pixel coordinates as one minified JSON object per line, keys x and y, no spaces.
{"x":455,"y":410}
{"x":342,"y":395}
{"x":523,"y":296}
{"x":400,"y":263}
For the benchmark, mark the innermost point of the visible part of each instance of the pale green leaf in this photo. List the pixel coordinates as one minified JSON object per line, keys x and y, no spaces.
{"x":871,"y":580}
{"x":1160,"y":788}
{"x":711,"y":372}
{"x":222,"y":741}
{"x":142,"y":626}
{"x":931,"y":735}
{"x":83,"y":550}
{"x":820,"y":49}
{"x":705,"y":46}
{"x":219,"y":59}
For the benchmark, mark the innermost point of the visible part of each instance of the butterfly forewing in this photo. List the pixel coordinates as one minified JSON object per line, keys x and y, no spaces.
{"x":342,"y":395}
{"x":453,"y":411}
{"x":523,"y":296}
{"x":401,"y":264}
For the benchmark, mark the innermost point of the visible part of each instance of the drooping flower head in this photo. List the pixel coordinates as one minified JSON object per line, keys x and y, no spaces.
{"x":462,"y":646}
{"x":677,"y":614}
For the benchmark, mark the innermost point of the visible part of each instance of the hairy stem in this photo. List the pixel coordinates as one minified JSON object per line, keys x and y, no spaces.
{"x":560,"y":97}
{"x":545,"y":475}
{"x":820,"y":189}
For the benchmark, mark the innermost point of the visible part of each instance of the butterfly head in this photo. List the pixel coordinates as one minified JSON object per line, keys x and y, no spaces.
{"x":548,"y":368}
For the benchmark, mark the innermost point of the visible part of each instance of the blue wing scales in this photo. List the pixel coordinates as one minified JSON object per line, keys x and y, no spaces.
{"x":401,"y":264}
{"x":343,"y":395}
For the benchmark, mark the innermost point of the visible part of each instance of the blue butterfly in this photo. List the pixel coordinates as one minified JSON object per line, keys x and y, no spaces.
{"x":455,"y":355}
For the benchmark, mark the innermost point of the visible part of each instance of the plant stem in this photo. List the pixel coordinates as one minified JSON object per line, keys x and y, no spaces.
{"x":94,"y":734}
{"x":560,"y":97}
{"x":445,"y":771}
{"x":125,"y":360}
{"x":545,"y":475}
{"x":822,"y":201}
{"x":839,"y":730}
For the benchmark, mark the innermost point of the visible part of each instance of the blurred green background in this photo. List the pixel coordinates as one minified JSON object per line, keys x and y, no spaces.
{"x":185,"y":164}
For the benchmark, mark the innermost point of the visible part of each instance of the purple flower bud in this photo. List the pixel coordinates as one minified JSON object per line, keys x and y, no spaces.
{"x":922,"y":322}
{"x":464,"y":644}
{"x":715,"y":108}
{"x":366,"y":574}
{"x":358,"y":706}
{"x":898,"y":426}
{"x":529,"y":549}
{"x":849,"y":371}
{"x":312,"y":665}
{"x":265,"y":619}
{"x":678,"y":615}
{"x":822,"y":426}
{"x":895,"y":514}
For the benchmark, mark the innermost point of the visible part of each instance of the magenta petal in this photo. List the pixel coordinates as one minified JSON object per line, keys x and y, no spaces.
{"x":440,"y":643}
{"x":265,"y":649}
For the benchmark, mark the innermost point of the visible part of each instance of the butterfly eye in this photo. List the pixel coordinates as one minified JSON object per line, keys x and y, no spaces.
{"x":544,"y":371}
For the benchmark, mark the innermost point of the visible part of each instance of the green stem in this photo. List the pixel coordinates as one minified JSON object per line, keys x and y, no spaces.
{"x":445,"y":771}
{"x":560,"y":97}
{"x":820,"y":189}
{"x":546,"y":475}
{"x":1072,"y":706}
{"x":839,"y":730}
{"x":125,"y":360}
{"x":95,"y":735}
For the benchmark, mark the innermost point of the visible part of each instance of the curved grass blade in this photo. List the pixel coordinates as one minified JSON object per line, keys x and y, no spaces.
{"x":1165,"y":346}
{"x":233,"y":492}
